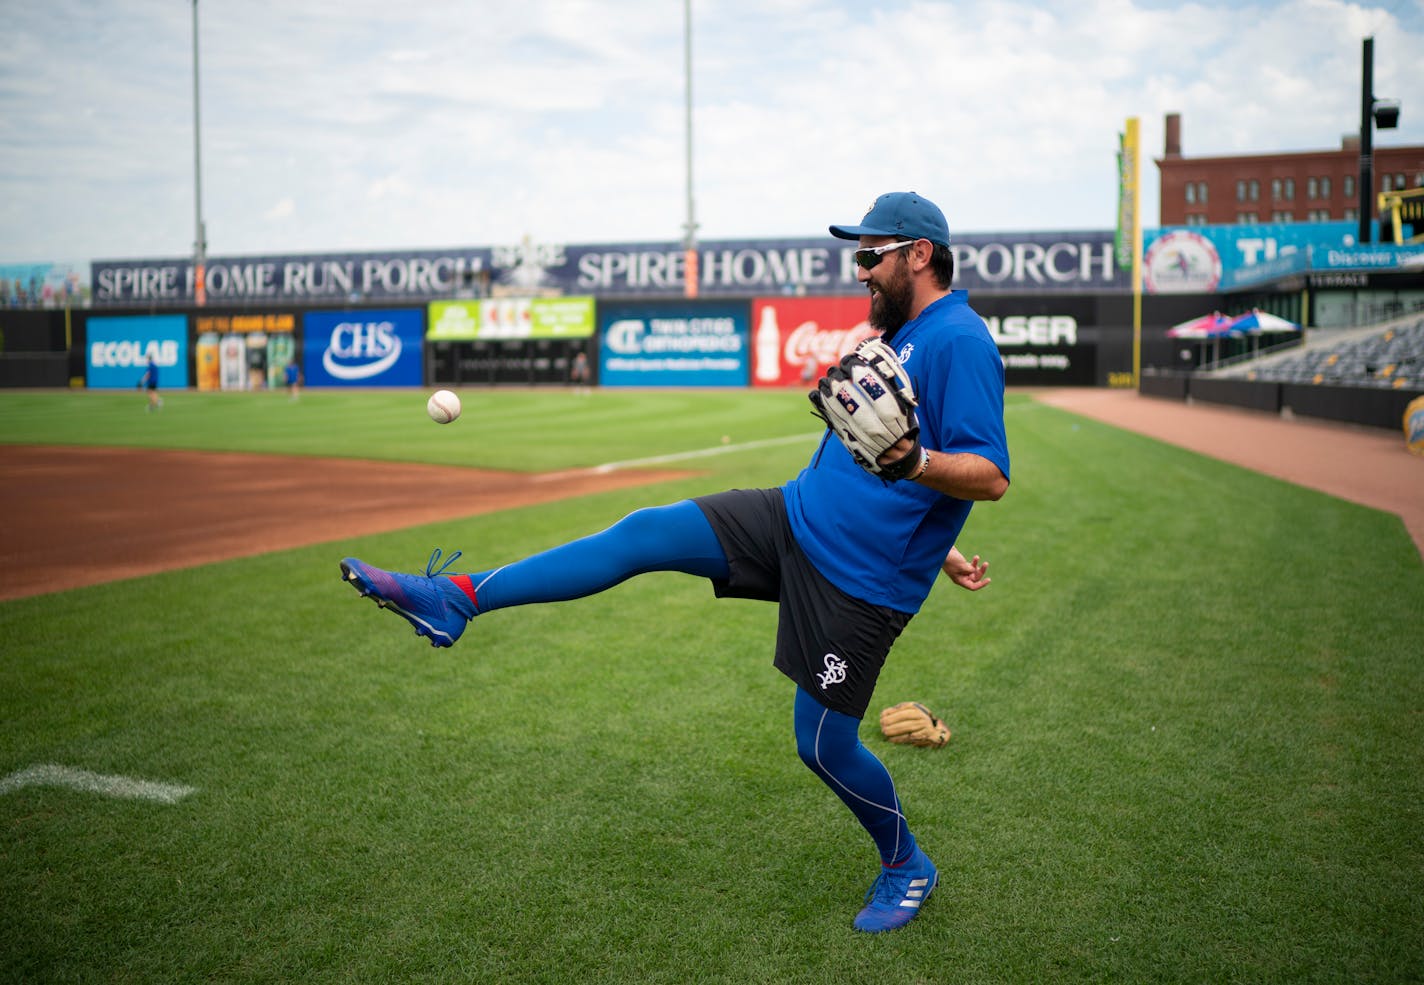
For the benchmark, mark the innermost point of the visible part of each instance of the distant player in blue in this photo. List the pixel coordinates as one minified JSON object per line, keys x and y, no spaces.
{"x":849,"y":556}
{"x":149,"y":381}
{"x":292,"y":377}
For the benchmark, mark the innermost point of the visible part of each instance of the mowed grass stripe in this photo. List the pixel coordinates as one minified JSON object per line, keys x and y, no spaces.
{"x":1186,"y":717}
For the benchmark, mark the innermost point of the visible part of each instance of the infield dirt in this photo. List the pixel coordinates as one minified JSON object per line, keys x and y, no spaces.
{"x":81,"y":516}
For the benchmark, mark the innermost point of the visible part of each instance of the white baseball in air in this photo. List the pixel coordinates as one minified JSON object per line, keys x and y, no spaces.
{"x":443,"y":406}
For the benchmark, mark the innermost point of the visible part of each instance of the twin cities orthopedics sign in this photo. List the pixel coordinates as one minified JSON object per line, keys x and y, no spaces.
{"x":673,"y":344}
{"x":1009,"y":262}
{"x":363,"y":348}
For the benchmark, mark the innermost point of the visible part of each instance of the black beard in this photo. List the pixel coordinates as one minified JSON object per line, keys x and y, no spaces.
{"x":890,"y":308}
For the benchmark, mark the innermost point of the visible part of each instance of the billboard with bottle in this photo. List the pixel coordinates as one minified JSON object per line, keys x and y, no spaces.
{"x":795,"y":340}
{"x":243,"y":351}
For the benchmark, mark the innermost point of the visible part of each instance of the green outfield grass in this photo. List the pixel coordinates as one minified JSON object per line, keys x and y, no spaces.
{"x":1188,"y":732}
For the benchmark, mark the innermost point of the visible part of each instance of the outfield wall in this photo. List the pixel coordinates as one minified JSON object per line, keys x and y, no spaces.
{"x":771,"y":341}
{"x":1372,"y":407}
{"x":759,"y":341}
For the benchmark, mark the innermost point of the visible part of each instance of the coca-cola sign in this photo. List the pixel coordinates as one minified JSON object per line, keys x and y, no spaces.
{"x":794,"y":340}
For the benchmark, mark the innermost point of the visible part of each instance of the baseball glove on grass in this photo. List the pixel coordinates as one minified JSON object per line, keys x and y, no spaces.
{"x":867,"y":400}
{"x":911,"y":723}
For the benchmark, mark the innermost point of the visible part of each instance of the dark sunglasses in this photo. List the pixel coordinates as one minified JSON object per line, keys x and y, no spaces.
{"x":871,"y":256}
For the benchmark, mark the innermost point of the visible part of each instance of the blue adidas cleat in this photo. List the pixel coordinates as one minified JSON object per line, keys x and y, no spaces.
{"x":895,"y":897}
{"x":432,"y":603}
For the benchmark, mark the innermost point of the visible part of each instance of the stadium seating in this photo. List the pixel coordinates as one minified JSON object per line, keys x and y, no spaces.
{"x":1387,"y":356}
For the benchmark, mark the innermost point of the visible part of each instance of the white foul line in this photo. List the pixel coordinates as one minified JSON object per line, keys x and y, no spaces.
{"x":47,"y":775}
{"x":680,"y":456}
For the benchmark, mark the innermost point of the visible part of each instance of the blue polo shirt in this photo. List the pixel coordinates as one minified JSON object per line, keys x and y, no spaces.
{"x":881,"y":541}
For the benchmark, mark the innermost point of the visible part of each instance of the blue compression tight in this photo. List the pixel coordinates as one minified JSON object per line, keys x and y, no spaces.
{"x":676,"y":537}
{"x":829,"y":743}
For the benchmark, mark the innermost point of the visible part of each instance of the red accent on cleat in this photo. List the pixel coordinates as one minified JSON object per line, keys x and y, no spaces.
{"x":463,"y":583}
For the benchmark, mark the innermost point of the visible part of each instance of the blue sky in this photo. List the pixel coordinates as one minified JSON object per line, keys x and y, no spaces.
{"x":333,"y":125}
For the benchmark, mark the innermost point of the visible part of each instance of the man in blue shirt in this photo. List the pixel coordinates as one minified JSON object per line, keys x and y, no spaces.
{"x":149,"y":382}
{"x":848,"y":556}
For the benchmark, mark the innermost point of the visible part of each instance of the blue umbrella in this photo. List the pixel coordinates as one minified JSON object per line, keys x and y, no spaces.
{"x":1256,"y":321}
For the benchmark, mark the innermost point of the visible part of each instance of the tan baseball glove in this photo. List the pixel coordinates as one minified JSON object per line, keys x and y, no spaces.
{"x":911,"y":723}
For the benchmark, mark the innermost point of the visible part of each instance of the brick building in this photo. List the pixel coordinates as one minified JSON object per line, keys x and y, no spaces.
{"x":1308,"y":186}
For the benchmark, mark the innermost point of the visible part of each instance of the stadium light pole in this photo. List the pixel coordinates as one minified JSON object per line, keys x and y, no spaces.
{"x":200,"y":245}
{"x":689,"y":240}
{"x":1382,"y":113}
{"x":1367,"y":104}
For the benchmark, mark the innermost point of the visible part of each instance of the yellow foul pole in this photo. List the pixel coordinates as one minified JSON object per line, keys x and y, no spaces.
{"x":1134,"y":231}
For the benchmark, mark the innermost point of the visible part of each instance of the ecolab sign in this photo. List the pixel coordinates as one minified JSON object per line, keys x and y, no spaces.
{"x":118,"y":350}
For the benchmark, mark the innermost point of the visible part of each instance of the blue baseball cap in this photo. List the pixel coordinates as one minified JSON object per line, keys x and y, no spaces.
{"x":904,"y":215}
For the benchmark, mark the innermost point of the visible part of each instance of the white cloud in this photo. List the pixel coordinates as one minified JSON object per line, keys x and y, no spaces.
{"x":443,"y":124}
{"x":282,"y":209}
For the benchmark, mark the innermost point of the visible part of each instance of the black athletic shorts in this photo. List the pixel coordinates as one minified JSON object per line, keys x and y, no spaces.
{"x":830,"y":643}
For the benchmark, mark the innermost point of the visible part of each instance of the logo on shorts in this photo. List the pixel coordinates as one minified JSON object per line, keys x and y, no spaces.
{"x":835,"y":671}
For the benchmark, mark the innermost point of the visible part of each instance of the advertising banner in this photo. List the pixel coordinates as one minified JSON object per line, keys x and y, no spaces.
{"x":1043,"y":341}
{"x":1011,"y":262}
{"x":673,"y":344}
{"x":206,"y":365}
{"x":281,"y":351}
{"x":1376,"y":257}
{"x":797,"y":339}
{"x":245,"y":350}
{"x":232,"y":362}
{"x":363,"y":348}
{"x":327,"y":277}
{"x":47,"y":285}
{"x":119,"y":347}
{"x":453,"y":321}
{"x":1128,"y":206}
{"x":505,"y":287}
{"x":1051,"y":366}
{"x":511,"y":318}
{"x":1208,"y":259}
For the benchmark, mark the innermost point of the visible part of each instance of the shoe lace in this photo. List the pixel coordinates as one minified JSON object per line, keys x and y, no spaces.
{"x":433,"y":572}
{"x":882,"y":889}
